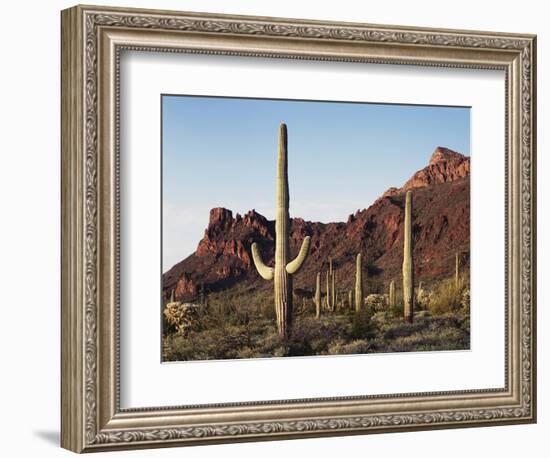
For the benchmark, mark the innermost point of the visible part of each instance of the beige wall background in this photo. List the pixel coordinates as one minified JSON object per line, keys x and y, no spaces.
{"x":29,"y":229}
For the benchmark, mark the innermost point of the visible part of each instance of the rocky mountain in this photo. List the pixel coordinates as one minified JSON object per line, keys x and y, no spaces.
{"x":441,"y":228}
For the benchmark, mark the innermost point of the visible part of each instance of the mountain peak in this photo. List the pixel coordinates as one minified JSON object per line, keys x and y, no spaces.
{"x":442,"y":154}
{"x":445,"y":165}
{"x":220,"y":216}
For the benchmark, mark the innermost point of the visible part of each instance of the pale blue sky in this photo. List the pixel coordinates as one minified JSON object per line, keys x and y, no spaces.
{"x":221,"y":152}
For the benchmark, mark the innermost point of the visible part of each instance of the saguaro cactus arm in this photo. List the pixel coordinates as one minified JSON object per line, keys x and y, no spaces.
{"x":265,"y":272}
{"x":295,"y":265}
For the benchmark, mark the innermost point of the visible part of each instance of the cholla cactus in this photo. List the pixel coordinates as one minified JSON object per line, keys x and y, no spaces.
{"x":283,"y":271}
{"x":408,"y":266}
{"x":183,"y":317}
{"x":376,"y":302}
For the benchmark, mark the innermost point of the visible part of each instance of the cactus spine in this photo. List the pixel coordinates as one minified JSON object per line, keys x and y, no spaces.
{"x":392,"y":294}
{"x":408,"y":266}
{"x":283,"y":271}
{"x":318,"y":295}
{"x":358,"y":283}
{"x":457,"y":268}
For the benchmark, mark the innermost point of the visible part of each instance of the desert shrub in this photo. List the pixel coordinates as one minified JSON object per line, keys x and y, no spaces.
{"x":465,"y":301}
{"x":380,"y":317}
{"x":311,"y":336}
{"x":426,"y":333}
{"x":265,"y":308}
{"x":268,"y":342}
{"x":429,"y":340}
{"x":422,"y":298}
{"x":465,"y":324}
{"x":446,"y":297}
{"x":397,"y":310}
{"x":247,"y":352}
{"x":203,"y":345}
{"x":362,"y":324}
{"x":354,"y":347}
{"x":399,"y":328}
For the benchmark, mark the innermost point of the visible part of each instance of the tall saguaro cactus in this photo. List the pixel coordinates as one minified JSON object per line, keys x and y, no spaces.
{"x":318,"y":295}
{"x":457,"y":268}
{"x":283,"y":271}
{"x":408,"y":265}
{"x":358,"y":284}
{"x":392,"y":294}
{"x":327,"y":297}
{"x":333,"y":291}
{"x":330,"y":301}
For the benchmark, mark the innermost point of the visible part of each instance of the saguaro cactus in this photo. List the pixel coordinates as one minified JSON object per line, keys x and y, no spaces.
{"x":408,"y":266}
{"x":333,"y":291}
{"x":392,"y":294}
{"x":365,"y":278}
{"x":318,"y":295}
{"x":330,"y":300}
{"x":457,"y":268}
{"x":283,"y":271}
{"x":327,"y":297}
{"x":358,"y":284}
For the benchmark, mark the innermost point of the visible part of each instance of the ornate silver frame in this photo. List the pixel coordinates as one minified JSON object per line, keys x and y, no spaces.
{"x":92,"y":38}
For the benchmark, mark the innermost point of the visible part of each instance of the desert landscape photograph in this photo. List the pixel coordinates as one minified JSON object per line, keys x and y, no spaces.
{"x":312,"y":228}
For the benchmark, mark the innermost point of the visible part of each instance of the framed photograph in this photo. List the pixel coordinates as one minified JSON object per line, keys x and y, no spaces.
{"x":278,"y":228}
